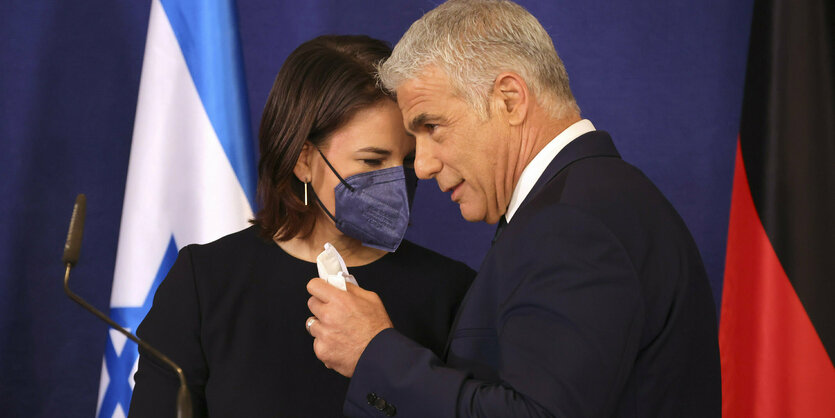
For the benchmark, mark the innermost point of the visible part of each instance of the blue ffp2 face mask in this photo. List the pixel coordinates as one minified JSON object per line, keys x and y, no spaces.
{"x":374,"y":206}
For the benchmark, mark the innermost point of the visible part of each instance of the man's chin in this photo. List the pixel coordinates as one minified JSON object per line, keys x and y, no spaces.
{"x":471,"y":216}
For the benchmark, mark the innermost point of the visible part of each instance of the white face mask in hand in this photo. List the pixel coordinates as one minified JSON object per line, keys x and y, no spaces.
{"x":332,"y":268}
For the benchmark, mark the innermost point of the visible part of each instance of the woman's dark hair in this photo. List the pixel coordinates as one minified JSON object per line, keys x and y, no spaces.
{"x":321,"y":85}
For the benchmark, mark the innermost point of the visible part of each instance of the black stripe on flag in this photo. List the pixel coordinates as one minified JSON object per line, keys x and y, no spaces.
{"x":787,"y":137}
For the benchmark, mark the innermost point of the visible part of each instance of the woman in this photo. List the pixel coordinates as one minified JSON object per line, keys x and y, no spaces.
{"x":335,"y":168}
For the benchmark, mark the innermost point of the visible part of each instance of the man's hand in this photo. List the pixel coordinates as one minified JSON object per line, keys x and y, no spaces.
{"x":345,"y":322}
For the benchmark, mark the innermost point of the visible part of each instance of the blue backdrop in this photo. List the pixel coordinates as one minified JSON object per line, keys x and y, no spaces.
{"x":664,"y":78}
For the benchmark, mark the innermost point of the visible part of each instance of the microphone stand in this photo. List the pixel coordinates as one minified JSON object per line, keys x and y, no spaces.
{"x":71,"y":252}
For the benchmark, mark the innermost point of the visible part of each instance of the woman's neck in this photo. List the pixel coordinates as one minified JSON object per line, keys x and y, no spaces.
{"x":351,"y":250}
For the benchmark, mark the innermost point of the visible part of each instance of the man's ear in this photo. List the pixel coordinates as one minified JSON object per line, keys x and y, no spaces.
{"x":302,"y":169}
{"x":512,"y":97}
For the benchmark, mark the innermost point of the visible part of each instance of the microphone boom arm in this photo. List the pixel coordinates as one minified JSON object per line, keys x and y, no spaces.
{"x":72,"y":249}
{"x":119,"y":328}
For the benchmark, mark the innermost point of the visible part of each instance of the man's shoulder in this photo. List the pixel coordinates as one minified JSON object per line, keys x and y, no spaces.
{"x":603,"y":197}
{"x":607,"y":188}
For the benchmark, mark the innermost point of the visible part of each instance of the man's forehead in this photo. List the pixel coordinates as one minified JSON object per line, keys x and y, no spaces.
{"x":429,"y":85}
{"x":429,"y":78}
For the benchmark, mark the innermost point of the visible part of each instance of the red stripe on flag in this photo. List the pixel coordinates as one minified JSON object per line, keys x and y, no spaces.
{"x":773,"y":362}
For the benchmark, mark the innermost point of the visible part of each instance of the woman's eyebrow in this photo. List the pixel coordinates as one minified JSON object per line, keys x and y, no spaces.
{"x":375,"y":150}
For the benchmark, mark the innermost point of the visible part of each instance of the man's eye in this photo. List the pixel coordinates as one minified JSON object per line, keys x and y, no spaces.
{"x":430,"y":127}
{"x":373,"y":163}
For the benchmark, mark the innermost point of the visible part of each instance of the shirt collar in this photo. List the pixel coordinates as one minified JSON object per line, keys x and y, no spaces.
{"x":537,"y":166}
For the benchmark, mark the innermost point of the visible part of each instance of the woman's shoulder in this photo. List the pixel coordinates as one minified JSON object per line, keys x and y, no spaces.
{"x":241,"y":251}
{"x":244,"y":241}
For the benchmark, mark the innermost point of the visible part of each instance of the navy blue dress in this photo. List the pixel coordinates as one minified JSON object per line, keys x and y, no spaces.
{"x":231,"y":313}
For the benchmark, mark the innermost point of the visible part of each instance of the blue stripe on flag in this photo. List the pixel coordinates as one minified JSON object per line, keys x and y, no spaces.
{"x":207,"y":32}
{"x":120,"y":365}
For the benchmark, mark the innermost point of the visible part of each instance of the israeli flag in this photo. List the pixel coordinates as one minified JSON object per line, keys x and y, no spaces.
{"x":191,"y":177}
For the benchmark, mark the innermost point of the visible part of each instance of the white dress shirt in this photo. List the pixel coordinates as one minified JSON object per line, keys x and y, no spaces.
{"x":537,"y":166}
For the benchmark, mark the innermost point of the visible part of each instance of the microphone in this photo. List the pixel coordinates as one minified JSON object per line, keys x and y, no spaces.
{"x":72,"y":250}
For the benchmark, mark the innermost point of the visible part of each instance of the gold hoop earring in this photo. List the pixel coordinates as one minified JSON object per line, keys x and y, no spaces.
{"x":305,"y":193}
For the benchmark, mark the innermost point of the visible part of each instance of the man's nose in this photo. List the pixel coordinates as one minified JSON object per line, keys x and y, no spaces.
{"x":426,"y":164}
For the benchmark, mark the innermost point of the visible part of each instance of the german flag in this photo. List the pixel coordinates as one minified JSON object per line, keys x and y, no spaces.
{"x":777,"y":328}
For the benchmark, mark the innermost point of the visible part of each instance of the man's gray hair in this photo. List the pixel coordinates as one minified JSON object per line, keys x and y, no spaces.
{"x":472,"y":42}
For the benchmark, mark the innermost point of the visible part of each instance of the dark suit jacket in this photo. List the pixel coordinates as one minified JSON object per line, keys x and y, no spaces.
{"x":593,"y":302}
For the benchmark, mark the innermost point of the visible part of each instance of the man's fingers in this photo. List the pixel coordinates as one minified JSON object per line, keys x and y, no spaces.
{"x":316,"y":328}
{"x":320,"y":346}
{"x":320,"y":289}
{"x":317,"y":308}
{"x":308,"y":324}
{"x":355,"y":290}
{"x":318,"y":349}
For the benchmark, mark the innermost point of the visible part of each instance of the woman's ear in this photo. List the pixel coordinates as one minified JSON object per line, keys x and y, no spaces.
{"x":302,"y":169}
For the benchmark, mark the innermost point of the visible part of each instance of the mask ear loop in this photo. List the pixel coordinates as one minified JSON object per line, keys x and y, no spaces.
{"x":322,"y":205}
{"x":351,"y":188}
{"x":316,"y":195}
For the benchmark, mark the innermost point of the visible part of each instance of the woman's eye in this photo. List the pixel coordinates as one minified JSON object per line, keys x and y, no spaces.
{"x":373,"y":163}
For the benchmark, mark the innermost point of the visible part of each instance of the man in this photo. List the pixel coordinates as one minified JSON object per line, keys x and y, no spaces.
{"x":593,"y":300}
